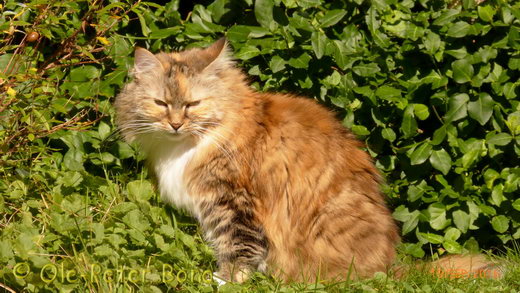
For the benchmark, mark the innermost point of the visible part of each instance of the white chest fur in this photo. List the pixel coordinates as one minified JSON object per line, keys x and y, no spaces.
{"x":169,"y":165}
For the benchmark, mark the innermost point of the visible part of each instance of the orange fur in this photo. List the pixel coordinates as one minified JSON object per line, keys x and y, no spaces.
{"x":277,"y":183}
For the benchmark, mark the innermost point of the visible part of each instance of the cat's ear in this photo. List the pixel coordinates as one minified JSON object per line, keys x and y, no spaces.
{"x":146,"y":62}
{"x":218,"y":56}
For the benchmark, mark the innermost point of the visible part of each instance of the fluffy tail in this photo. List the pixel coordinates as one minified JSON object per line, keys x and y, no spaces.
{"x":472,"y":266}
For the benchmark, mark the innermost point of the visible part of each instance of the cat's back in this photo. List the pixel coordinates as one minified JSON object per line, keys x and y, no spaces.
{"x":320,"y":192}
{"x":303,"y":114}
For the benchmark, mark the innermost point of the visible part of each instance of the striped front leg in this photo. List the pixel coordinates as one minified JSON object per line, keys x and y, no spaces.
{"x":230,"y":225}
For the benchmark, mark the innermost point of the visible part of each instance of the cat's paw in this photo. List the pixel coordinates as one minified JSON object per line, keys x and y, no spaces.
{"x":233,"y":274}
{"x":218,"y":280}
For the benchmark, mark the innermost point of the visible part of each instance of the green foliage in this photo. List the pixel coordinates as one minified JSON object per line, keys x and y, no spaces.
{"x":431,"y":86}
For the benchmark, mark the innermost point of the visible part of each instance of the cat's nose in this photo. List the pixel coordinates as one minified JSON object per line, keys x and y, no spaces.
{"x":176,"y":125}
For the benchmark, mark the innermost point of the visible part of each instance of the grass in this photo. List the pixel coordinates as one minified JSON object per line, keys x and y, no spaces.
{"x":113,"y":234}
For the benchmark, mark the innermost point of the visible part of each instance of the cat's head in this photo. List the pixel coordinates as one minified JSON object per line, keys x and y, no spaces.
{"x":179,"y":95}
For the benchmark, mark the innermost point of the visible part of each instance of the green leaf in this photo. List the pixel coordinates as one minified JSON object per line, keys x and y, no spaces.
{"x":421,"y":111}
{"x":308,"y":3}
{"x":409,"y":125}
{"x":462,"y":70}
{"x":84,"y":73}
{"x":432,"y":42}
{"x":300,"y":62}
{"x":318,"y":41}
{"x":340,"y":55}
{"x":510,"y":90}
{"x":73,"y":160}
{"x":414,"y":192}
{"x":368,"y":69}
{"x":439,"y":135}
{"x":462,"y":220}
{"x":140,"y":190}
{"x":264,"y":14}
{"x":437,"y":213}
{"x":441,"y":161}
{"x":238,"y":33}
{"x":144,"y":27}
{"x":500,"y":139}
{"x":388,"y":134}
{"x":247,"y":52}
{"x":386,"y":92}
{"x":135,"y":219}
{"x":458,"y":108}
{"x":486,"y":13}
{"x":332,"y":17}
{"x":490,"y":176}
{"x":432,"y":238}
{"x":458,"y":29}
{"x":497,"y":195}
{"x":411,"y":223}
{"x":447,"y":17}
{"x":472,"y":153}
{"x":103,"y":130}
{"x":452,"y":246}
{"x":516,"y":204}
{"x":481,"y":109}
{"x":277,"y":64}
{"x":421,"y":154}
{"x":360,"y":130}
{"x":164,"y":33}
{"x":452,"y":234}
{"x":500,"y":223}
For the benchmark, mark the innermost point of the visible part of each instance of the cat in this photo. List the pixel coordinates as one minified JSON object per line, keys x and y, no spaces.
{"x":277,"y":184}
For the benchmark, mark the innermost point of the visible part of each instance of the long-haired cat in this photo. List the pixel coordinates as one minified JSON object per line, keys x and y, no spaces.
{"x":276,"y":182}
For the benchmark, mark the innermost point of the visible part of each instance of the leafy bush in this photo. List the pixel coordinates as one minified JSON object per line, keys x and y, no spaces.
{"x":431,"y":86}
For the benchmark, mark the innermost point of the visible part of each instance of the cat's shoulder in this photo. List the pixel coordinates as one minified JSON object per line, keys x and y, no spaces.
{"x":288,"y":108}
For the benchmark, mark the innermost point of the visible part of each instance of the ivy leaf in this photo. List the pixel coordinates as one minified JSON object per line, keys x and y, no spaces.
{"x":103,"y":130}
{"x":481,"y":109}
{"x":368,"y":69}
{"x":264,"y":14}
{"x":247,"y":52}
{"x":432,"y":42}
{"x":421,"y":111}
{"x":441,"y":161}
{"x":452,"y":246}
{"x":486,"y":13}
{"x":411,"y":223}
{"x":388,"y":134}
{"x":497,"y":195}
{"x":140,"y":190}
{"x":437,"y":213}
{"x":439,"y":135}
{"x":462,"y":220}
{"x":421,"y":154}
{"x":432,"y":238}
{"x":332,"y":17}
{"x":452,"y":234}
{"x":277,"y":64}
{"x":500,"y":139}
{"x":300,"y":62}
{"x":516,"y":204}
{"x":318,"y":41}
{"x":409,"y":124}
{"x":462,"y":70}
{"x":458,"y":108}
{"x":447,"y":17}
{"x":84,"y":73}
{"x":500,"y":223}
{"x":459,"y":29}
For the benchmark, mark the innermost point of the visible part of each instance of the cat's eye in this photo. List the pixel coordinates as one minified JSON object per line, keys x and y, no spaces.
{"x":192,"y":104}
{"x":160,"y":103}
